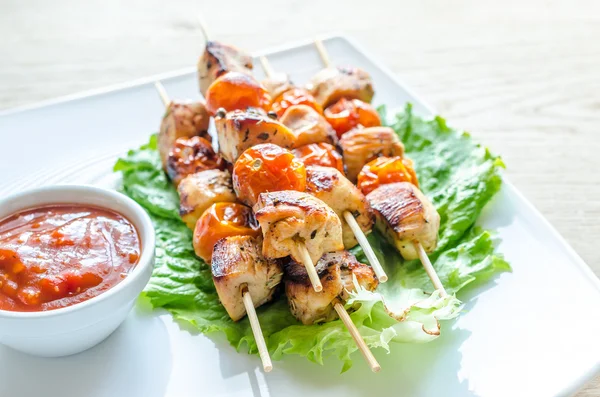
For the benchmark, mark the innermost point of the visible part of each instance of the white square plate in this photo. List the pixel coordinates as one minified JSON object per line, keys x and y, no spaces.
{"x":532,"y":332}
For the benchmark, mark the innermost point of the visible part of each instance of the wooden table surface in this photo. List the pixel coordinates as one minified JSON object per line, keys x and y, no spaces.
{"x":523,"y":77}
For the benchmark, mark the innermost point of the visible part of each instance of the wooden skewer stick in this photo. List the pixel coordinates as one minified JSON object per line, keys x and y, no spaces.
{"x":364,"y":243}
{"x":339,"y":308}
{"x":257,"y":331}
{"x":360,"y":342}
{"x":323,"y":53}
{"x":202,"y":26}
{"x":163,"y":93}
{"x":309,"y":265}
{"x":435,"y":279}
{"x":266,"y":65}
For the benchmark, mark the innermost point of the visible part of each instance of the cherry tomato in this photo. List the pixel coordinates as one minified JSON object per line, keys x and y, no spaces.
{"x":219,"y":221}
{"x":191,"y":155}
{"x":267,"y":168}
{"x":345,"y":115}
{"x":233,"y":91}
{"x":322,"y":154}
{"x":384,"y":170}
{"x":294,"y":96}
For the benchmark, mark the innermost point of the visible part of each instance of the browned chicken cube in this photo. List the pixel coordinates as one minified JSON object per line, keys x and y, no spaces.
{"x":331,"y":186}
{"x":290,"y":217}
{"x":199,"y":191}
{"x":404,"y":216}
{"x":238,"y":266}
{"x":190,"y":155}
{"x":332,"y":84}
{"x":277,"y":84}
{"x":361,"y":145}
{"x":218,"y":59}
{"x":308,"y":125}
{"x":182,"y":120}
{"x":335,"y":270}
{"x":241,"y":129}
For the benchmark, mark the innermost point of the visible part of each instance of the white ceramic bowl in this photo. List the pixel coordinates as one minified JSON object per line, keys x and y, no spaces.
{"x":76,"y":328}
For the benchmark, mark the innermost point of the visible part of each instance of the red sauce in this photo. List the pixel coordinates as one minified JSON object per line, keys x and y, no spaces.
{"x":60,"y":255}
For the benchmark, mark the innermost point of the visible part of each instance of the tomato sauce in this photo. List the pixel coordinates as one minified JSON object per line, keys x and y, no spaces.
{"x":56,"y":256}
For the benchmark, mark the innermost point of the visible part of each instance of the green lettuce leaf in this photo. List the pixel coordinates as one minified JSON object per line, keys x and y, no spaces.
{"x":459,"y":176}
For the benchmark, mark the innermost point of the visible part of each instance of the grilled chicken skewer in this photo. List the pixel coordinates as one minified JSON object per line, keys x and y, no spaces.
{"x":337,"y":271}
{"x":240,"y":273}
{"x":244,"y":280}
{"x":409,"y":221}
{"x":344,"y":198}
{"x":330,"y":185}
{"x":300,"y":226}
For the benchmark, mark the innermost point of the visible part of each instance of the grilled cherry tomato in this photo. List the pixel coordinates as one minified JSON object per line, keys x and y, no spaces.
{"x":345,"y":115}
{"x":322,"y":154}
{"x":267,"y":168}
{"x":294,"y":96}
{"x":384,"y":170}
{"x":219,"y":221}
{"x":191,"y":155}
{"x":233,"y":91}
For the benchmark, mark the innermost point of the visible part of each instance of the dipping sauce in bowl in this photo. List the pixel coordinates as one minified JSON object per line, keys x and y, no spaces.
{"x":59,"y":255}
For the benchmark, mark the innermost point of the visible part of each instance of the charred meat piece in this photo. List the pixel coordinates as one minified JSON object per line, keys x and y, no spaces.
{"x":405,"y":216}
{"x":277,"y":84}
{"x":331,"y":186}
{"x":335,"y":270}
{"x":361,"y":145}
{"x":199,"y":191}
{"x":332,"y":84}
{"x":218,"y":59}
{"x":182,"y":120}
{"x":237,"y":266}
{"x":191,"y":155}
{"x":289,"y":217}
{"x":308,"y":125}
{"x":242,"y":129}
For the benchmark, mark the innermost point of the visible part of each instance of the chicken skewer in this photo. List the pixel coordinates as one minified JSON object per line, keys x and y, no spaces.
{"x":347,"y":216}
{"x":338,"y":270}
{"x":220,"y":269}
{"x":395,"y":148}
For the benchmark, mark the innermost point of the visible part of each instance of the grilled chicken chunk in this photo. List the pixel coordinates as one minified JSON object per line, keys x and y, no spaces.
{"x":308,"y":125}
{"x":361,"y":145}
{"x":218,"y":59}
{"x":289,"y":217}
{"x":331,"y":186}
{"x":335,"y":270}
{"x":404,"y":215}
{"x":182,"y":120}
{"x":190,"y":155}
{"x":199,"y":191}
{"x":242,"y":129}
{"x":277,"y":84}
{"x":237,"y":266}
{"x":331,"y":84}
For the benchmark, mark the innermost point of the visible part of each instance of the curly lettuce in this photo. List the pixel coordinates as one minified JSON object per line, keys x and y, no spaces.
{"x":458,"y":175}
